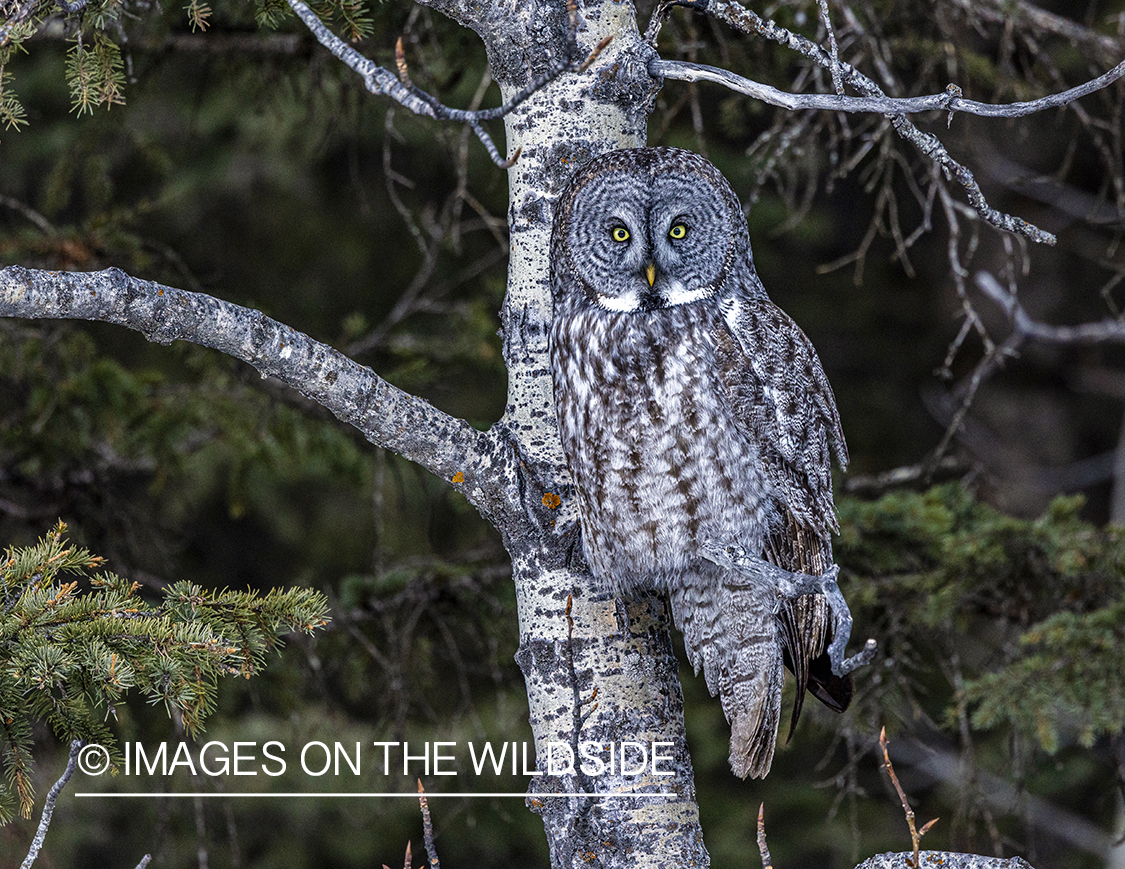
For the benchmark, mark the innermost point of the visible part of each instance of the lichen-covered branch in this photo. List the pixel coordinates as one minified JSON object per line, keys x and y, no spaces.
{"x":951,"y":100}
{"x":385,"y":415}
{"x":382,"y":81}
{"x":16,"y":14}
{"x":49,"y":804}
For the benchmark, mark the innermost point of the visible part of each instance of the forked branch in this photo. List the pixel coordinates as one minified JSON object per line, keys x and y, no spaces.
{"x":1107,"y":330}
{"x":915,"y":834}
{"x":402,"y":90}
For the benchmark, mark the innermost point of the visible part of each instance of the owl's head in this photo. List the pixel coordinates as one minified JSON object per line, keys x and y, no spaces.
{"x":648,"y":228}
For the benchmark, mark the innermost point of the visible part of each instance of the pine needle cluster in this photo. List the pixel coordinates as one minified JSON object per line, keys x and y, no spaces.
{"x":73,"y":642}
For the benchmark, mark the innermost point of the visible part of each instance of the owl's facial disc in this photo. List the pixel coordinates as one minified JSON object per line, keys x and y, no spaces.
{"x":608,"y":229}
{"x":643,"y":244}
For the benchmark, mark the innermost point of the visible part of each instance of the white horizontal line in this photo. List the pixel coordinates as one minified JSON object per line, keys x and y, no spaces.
{"x":428,"y":795}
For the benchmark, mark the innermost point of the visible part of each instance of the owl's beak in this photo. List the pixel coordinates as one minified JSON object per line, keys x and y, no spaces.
{"x":650,"y":273}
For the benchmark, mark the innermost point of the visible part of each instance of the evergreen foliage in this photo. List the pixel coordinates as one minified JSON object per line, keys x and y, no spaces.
{"x":68,"y":653}
{"x":1032,"y":611}
{"x":95,"y":69}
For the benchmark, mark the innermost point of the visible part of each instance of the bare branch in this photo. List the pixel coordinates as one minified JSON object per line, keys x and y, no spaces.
{"x":833,"y":48}
{"x":31,"y":214}
{"x":950,"y":100}
{"x":909,"y":476}
{"x":49,"y":804}
{"x":1025,"y":327}
{"x":398,"y":86}
{"x":915,"y":834}
{"x":427,"y":828}
{"x":384,"y":414}
{"x":1020,"y":12}
{"x":746,"y":21}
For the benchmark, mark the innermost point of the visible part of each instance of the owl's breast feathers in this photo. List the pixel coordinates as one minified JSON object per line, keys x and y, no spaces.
{"x":658,"y":457}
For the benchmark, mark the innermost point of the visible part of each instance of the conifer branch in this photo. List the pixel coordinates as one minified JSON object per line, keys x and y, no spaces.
{"x":67,"y":654}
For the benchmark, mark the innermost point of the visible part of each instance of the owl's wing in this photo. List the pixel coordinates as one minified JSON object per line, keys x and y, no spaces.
{"x":780,"y":393}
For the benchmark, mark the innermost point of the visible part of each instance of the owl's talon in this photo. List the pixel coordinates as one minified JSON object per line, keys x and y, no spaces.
{"x":861,"y":659}
{"x":842,"y":629}
{"x":788,"y":586}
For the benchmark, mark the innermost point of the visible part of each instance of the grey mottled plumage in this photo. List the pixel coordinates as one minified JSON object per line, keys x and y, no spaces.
{"x":693,"y":410}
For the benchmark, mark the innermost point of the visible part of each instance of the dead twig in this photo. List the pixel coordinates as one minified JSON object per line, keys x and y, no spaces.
{"x":49,"y":804}
{"x":427,"y":828}
{"x":1102,"y":331}
{"x":767,"y":861}
{"x":833,"y":48}
{"x":915,"y":834}
{"x":398,"y":86}
{"x":408,"y":862}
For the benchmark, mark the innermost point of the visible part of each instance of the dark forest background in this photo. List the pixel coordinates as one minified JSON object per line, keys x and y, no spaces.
{"x":252,"y":166}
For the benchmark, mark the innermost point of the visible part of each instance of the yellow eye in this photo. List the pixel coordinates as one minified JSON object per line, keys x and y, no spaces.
{"x":619,"y":233}
{"x":678,"y":231}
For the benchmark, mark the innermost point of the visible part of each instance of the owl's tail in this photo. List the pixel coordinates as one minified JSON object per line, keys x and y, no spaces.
{"x":730,"y":632}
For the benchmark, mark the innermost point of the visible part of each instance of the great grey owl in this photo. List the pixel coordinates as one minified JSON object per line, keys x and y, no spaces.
{"x":694,"y":412}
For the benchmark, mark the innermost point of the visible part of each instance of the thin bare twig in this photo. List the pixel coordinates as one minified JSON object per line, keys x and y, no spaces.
{"x":30,"y":213}
{"x":967,"y":390}
{"x":833,"y":48}
{"x":915,"y":834}
{"x":408,"y":862}
{"x":907,"y":476}
{"x":1019,"y":12}
{"x":49,"y":805}
{"x":1086,"y":333}
{"x":427,"y":827}
{"x":767,"y":861}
